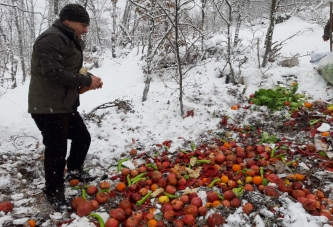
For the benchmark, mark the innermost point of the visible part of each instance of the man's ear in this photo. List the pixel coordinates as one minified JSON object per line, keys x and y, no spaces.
{"x":66,"y":22}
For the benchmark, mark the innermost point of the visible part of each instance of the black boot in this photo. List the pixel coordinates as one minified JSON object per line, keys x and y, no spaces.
{"x":56,"y":197}
{"x":81,"y":175}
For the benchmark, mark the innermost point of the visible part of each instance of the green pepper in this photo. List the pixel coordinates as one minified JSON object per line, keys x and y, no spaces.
{"x":192,"y":146}
{"x":152,"y":166}
{"x":143,"y":200}
{"x":99,"y":218}
{"x":138,"y":179}
{"x":185,"y":152}
{"x":203,"y":161}
{"x":84,"y":194}
{"x":104,"y":190}
{"x":121,"y":162}
{"x":264,"y":182}
{"x":219,"y":195}
{"x":129,"y":183}
{"x":138,"y":176}
{"x":213,"y":182}
{"x":273,"y":151}
{"x":314,"y":121}
{"x":186,"y":176}
{"x":170,"y":195}
{"x":238,"y":191}
{"x":280,"y":155}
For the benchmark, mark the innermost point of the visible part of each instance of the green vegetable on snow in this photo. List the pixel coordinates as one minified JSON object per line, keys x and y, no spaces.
{"x":121,"y":162}
{"x":84,"y":194}
{"x":219,"y":195}
{"x":138,"y":179}
{"x":275,"y":99}
{"x":213,"y":182}
{"x":170,"y":195}
{"x":192,"y":146}
{"x":152,"y":166}
{"x":138,"y":176}
{"x":143,"y":200}
{"x":129,"y":183}
{"x":99,"y":218}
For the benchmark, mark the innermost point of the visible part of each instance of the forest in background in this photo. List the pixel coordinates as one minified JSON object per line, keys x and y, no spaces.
{"x":171,"y":34}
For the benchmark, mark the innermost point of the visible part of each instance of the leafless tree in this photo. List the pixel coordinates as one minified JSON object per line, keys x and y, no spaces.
{"x":275,"y":6}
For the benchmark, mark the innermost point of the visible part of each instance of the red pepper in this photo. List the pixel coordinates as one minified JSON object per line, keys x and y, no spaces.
{"x":164,"y":153}
{"x":190,"y":182}
{"x":114,"y":177}
{"x":224,"y":121}
{"x":199,"y":153}
{"x":188,"y":155}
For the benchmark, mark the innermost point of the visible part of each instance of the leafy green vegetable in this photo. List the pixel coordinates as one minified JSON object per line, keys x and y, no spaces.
{"x":266,"y":138}
{"x":276,"y":99}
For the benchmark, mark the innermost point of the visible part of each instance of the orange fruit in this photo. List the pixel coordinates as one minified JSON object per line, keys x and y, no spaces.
{"x":307,"y":105}
{"x":151,"y":210}
{"x":32,"y":223}
{"x":325,"y":134}
{"x":227,"y":145}
{"x":224,"y":179}
{"x":250,"y":172}
{"x":153,"y":187}
{"x":257,"y":180}
{"x":217,"y":203}
{"x":209,"y":205}
{"x":234,"y":107}
{"x":121,"y":186}
{"x":152,"y":223}
{"x":299,"y":176}
{"x":236,"y":167}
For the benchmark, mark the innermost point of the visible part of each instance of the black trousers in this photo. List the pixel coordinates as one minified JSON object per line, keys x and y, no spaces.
{"x":56,"y":129}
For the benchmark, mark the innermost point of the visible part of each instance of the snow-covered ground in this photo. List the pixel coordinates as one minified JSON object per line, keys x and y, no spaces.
{"x":159,"y":119}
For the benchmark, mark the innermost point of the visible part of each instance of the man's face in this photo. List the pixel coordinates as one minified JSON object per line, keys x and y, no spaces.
{"x":78,"y":27}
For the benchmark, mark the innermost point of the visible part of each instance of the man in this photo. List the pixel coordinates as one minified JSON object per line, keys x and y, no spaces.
{"x":54,"y":97}
{"x":326,"y":35}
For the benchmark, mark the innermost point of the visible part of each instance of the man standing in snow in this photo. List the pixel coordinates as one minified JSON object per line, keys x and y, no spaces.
{"x":326,"y":35}
{"x":54,"y":97}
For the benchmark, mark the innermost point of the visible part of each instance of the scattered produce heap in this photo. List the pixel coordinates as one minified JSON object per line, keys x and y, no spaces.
{"x":195,"y":187}
{"x":201,"y":185}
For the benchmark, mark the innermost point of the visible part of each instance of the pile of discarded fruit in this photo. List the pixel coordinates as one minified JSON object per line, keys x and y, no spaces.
{"x":192,"y":188}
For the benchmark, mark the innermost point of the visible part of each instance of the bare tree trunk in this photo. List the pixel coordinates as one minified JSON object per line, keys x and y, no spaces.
{"x":150,"y":54}
{"x":239,"y":21}
{"x":179,"y":65}
{"x":16,"y":19}
{"x":56,"y":7}
{"x":98,"y":29}
{"x":203,"y":8}
{"x":269,"y":34}
{"x":13,"y":62}
{"x":114,"y":23}
{"x":127,"y":14}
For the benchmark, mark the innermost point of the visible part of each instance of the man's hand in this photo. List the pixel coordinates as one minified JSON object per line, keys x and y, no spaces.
{"x":96,"y":82}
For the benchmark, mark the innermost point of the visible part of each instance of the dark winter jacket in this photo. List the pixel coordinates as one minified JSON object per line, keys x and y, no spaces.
{"x":327,"y":30}
{"x":55,"y":63}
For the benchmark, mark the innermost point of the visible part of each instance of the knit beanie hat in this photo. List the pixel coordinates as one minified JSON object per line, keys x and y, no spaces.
{"x":74,"y":12}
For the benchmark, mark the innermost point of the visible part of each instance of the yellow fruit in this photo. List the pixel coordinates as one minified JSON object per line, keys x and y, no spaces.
{"x":163,"y":199}
{"x":248,"y":179}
